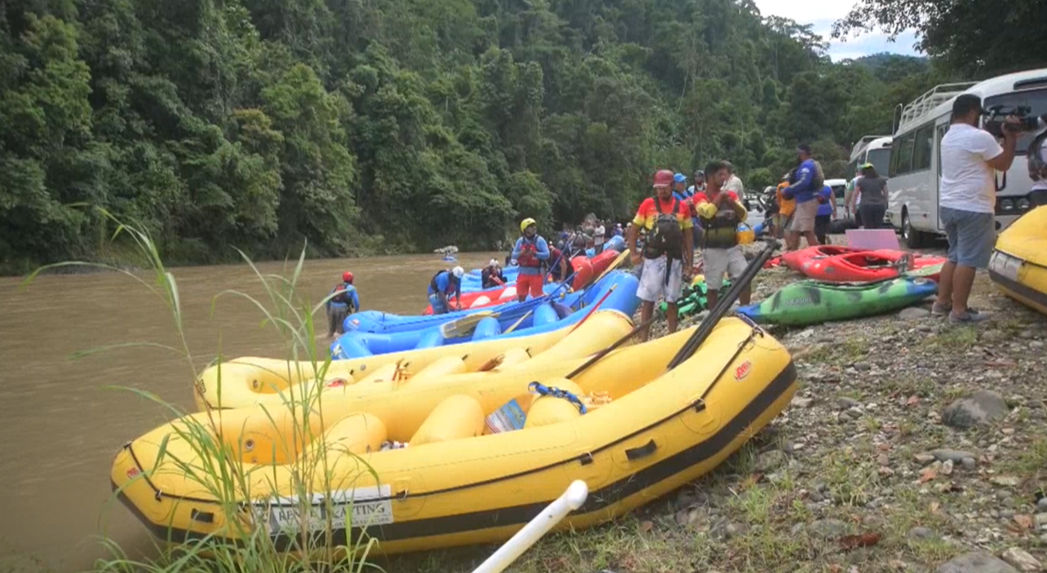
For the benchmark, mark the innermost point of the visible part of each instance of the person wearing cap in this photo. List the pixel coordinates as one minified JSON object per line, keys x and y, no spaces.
{"x":967,"y":203}
{"x":680,"y":186}
{"x":668,"y":251}
{"x":442,"y":286}
{"x":869,"y":198}
{"x":341,"y":302}
{"x":531,"y":252}
{"x":809,"y":181}
{"x":491,"y":276}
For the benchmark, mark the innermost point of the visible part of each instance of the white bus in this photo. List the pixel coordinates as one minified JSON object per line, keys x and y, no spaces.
{"x":875,"y":149}
{"x":915,"y":169}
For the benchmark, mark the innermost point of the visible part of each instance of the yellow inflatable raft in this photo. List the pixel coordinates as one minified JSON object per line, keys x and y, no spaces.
{"x":1019,"y":263}
{"x":456,"y":483}
{"x":247,"y":381}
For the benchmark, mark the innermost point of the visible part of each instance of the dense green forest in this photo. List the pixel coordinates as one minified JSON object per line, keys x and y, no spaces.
{"x":364,"y":127}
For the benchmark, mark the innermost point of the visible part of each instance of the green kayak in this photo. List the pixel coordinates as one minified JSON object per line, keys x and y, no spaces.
{"x":693,"y":299}
{"x":811,"y":302}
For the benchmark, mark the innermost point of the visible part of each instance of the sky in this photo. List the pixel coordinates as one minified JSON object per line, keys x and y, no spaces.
{"x":822,"y":13}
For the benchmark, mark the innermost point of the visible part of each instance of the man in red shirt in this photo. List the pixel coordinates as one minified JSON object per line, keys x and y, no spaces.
{"x":668,"y":252}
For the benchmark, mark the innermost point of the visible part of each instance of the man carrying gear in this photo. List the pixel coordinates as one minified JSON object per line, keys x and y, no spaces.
{"x":668,"y":252}
{"x":344,"y":302}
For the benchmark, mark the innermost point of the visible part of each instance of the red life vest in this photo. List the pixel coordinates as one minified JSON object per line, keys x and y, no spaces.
{"x":528,"y":253}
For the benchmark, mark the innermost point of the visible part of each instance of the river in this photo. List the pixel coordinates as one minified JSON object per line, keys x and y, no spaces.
{"x":64,"y":419}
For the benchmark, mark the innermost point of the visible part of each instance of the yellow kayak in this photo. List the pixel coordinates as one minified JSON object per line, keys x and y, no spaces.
{"x":1019,"y":263}
{"x":251,"y":380}
{"x":644,"y":432}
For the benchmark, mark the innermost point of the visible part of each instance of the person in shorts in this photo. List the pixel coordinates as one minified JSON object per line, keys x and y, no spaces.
{"x":668,"y":251}
{"x":967,"y":203}
{"x":721,"y":211}
{"x":809,"y":182}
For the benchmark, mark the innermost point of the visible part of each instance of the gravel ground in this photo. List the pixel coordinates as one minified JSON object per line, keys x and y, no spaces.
{"x":912,"y":446}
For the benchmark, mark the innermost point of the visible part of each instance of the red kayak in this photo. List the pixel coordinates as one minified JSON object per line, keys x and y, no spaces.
{"x":796,"y":259}
{"x":867,"y":266}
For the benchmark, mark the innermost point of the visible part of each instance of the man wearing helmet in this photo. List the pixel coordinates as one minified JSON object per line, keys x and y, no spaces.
{"x":342,"y":302}
{"x":531,"y":252}
{"x":442,"y":285}
{"x":491,"y":276}
{"x":668,"y":250}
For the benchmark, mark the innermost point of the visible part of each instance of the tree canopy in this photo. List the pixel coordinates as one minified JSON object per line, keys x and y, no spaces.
{"x":397,"y":126}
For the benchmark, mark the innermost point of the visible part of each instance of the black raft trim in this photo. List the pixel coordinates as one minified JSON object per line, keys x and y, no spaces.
{"x":521,"y":514}
{"x":1019,"y":289}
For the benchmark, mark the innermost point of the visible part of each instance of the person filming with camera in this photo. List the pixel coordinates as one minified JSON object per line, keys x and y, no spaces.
{"x":967,"y":203}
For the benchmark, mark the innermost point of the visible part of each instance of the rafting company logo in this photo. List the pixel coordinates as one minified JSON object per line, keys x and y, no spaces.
{"x":743,"y":370}
{"x":132,"y":473}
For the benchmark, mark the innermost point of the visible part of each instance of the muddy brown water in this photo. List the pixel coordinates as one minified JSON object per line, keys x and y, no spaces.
{"x":61,"y":418}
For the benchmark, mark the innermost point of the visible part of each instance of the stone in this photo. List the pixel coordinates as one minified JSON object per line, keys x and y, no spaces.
{"x":976,"y":562}
{"x":853,"y":413}
{"x":914,"y":313}
{"x":1041,"y":520}
{"x":1005,"y":481}
{"x":1041,"y":505}
{"x":771,"y":460}
{"x":1021,"y":560}
{"x":969,"y":464}
{"x":802,"y":402}
{"x":920,"y":533}
{"x":980,"y":409}
{"x":844,"y":402}
{"x":883,"y":459}
{"x":947,"y":467}
{"x":924,"y":459}
{"x":827,"y":528}
{"x":956,"y":456}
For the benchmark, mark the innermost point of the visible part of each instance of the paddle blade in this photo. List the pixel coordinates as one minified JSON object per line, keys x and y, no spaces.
{"x":465,"y":325}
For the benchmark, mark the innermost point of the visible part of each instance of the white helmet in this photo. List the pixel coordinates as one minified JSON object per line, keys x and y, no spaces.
{"x":458,"y":272}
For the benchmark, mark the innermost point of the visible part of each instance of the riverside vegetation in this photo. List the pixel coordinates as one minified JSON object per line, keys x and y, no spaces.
{"x":406,"y":125}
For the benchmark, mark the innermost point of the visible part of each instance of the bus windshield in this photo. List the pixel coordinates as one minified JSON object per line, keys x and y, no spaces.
{"x":880,"y":158}
{"x":1036,"y":99}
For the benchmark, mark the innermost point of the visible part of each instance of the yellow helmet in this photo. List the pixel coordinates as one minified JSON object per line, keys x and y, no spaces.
{"x":746,"y":234}
{"x":527,"y":223}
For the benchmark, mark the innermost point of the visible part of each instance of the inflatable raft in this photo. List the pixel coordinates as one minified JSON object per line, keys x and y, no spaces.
{"x":635,"y":432}
{"x":1019,"y":263}
{"x":810,"y":302}
{"x":617,"y":291}
{"x":796,"y":259}
{"x":250,"y":380}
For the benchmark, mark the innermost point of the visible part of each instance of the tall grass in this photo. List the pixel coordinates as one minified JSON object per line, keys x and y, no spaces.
{"x":215,"y":462}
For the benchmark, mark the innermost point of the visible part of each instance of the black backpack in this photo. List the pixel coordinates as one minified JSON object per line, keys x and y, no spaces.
{"x":666,"y":237}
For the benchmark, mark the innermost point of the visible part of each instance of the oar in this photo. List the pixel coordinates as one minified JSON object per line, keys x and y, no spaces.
{"x":465,"y":325}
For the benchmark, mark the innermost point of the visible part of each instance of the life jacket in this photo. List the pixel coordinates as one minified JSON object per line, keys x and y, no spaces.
{"x":341,"y":296}
{"x":666,"y":237}
{"x":529,"y":253}
{"x":721,"y":232}
{"x":450,"y":282}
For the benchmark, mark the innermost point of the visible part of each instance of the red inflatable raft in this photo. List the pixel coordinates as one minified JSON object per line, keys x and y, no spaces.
{"x":585,"y":271}
{"x":867,"y":266}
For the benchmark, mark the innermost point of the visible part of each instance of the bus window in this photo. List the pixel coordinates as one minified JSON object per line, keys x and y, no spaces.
{"x":901,"y":155}
{"x":921,"y":157}
{"x":880,"y":158}
{"x":1036,"y":99}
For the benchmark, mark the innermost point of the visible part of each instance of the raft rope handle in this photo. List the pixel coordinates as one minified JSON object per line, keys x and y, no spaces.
{"x":543,"y":390}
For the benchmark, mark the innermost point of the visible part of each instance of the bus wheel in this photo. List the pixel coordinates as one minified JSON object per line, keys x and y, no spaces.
{"x":913,"y":238}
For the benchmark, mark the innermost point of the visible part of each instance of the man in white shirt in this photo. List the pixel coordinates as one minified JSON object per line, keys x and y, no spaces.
{"x":967,"y":204}
{"x":735,"y":184}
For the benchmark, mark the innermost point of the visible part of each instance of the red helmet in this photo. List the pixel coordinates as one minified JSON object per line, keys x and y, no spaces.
{"x":347,"y":277}
{"x":664,"y":177}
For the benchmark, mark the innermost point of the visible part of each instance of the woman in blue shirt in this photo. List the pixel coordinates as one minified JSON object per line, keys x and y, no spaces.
{"x":826,"y":213}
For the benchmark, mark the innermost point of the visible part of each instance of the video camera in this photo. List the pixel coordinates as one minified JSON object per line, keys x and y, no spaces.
{"x":996,"y":116}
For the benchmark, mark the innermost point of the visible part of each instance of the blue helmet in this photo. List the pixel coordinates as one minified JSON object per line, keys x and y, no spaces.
{"x":679,"y":178}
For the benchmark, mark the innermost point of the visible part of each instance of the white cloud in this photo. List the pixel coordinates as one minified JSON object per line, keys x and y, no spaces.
{"x":822,"y":13}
